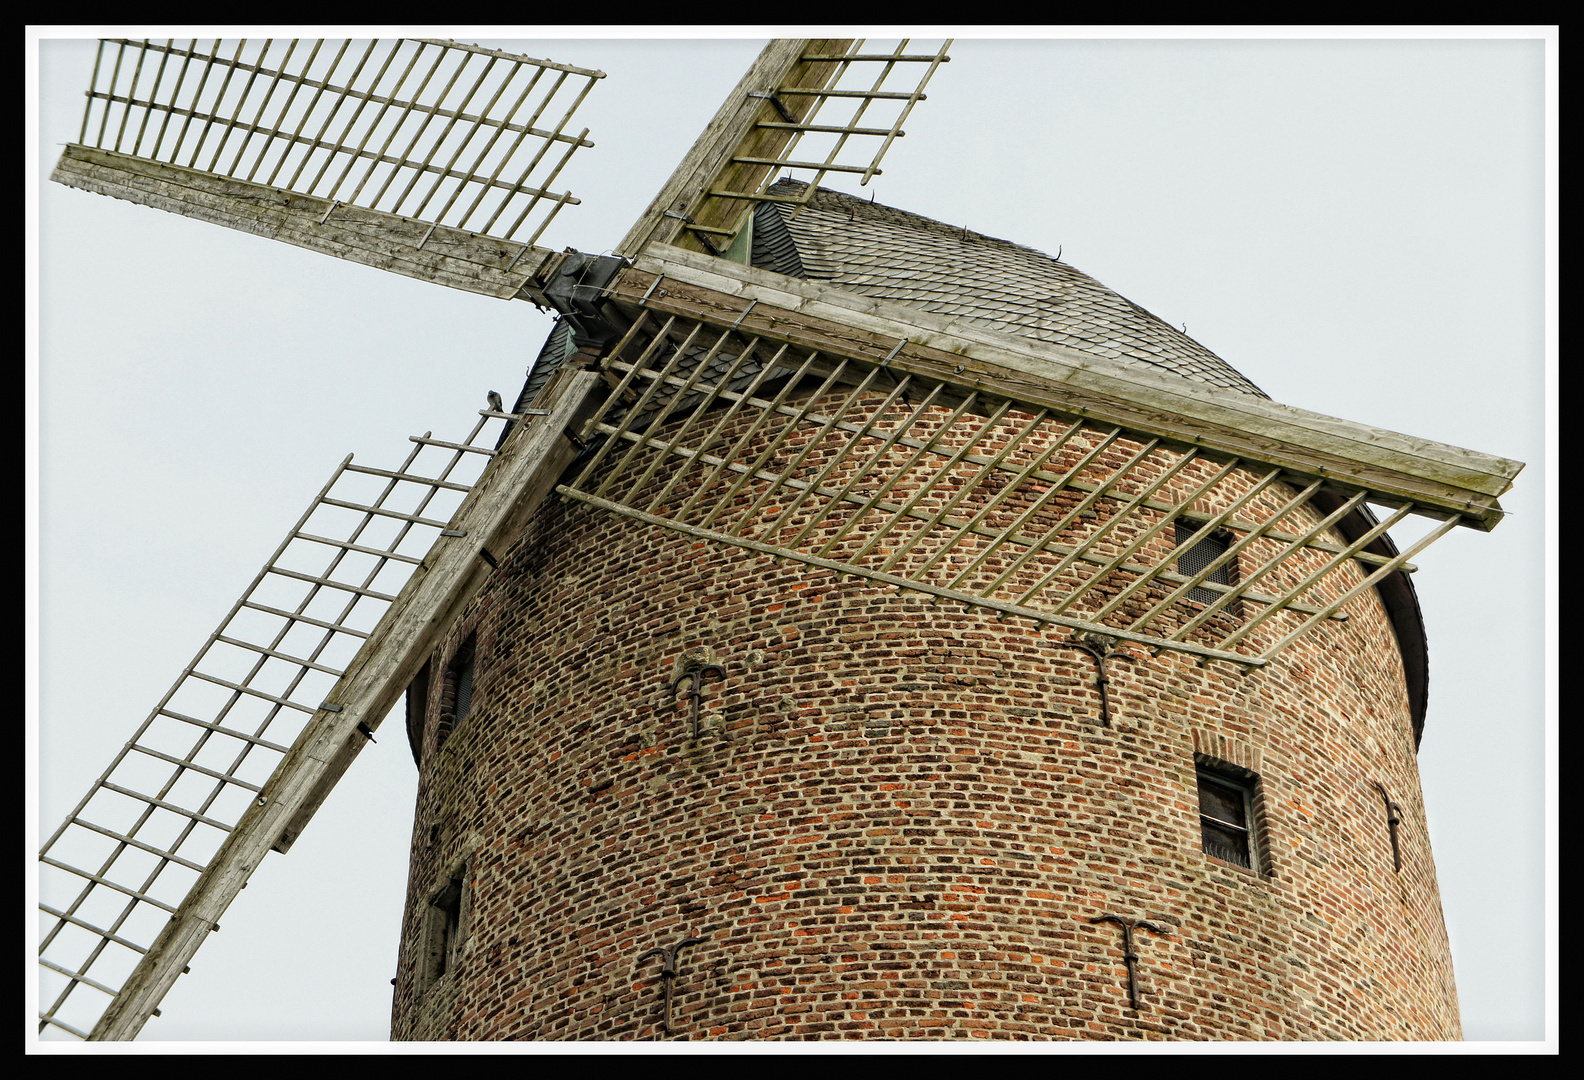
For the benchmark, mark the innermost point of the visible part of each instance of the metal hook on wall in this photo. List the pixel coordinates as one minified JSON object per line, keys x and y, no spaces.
{"x":668,"y":972}
{"x":1130,"y":957}
{"x":1393,"y":819}
{"x":1100,"y":647}
{"x":696,"y":692}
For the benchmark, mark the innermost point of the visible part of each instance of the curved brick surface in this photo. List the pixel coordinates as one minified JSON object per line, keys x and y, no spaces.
{"x":900,"y":819}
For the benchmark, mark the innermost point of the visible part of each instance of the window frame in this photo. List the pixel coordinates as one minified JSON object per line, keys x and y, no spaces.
{"x":445,"y":927}
{"x":458,"y":687}
{"x":1245,"y":784}
{"x":1219,"y":540}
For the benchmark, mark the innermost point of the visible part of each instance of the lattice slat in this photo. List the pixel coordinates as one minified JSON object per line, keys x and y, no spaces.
{"x":451,"y":134}
{"x":123,"y":859}
{"x":843,"y":463}
{"x":845,"y":125}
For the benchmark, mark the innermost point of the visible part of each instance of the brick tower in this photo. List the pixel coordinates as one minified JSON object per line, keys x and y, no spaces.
{"x":858,"y":627}
{"x":675,"y":786}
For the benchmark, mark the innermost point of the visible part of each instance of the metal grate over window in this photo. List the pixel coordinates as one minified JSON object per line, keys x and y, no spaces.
{"x":464,"y":683}
{"x":1208,"y":554}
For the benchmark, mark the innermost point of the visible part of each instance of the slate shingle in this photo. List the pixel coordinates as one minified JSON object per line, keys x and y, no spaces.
{"x":892,"y":254}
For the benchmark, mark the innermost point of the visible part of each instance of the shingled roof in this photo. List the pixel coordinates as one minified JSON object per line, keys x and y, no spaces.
{"x":891,"y":254}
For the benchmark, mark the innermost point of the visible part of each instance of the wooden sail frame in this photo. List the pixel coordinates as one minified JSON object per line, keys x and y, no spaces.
{"x":774,"y":111}
{"x":852,"y":341}
{"x":859,"y":477}
{"x":254,"y":118}
{"x":427,"y":158}
{"x":132,"y":956}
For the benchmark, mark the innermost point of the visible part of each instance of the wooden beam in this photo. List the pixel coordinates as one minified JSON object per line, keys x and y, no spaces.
{"x":732,"y":133}
{"x":440,"y":254}
{"x":1439,"y":478}
{"x":492,"y":517}
{"x":904,"y":585}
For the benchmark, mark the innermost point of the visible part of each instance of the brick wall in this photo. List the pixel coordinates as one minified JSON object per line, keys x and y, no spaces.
{"x":900,"y":818}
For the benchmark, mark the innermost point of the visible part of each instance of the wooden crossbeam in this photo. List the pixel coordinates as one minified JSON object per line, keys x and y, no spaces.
{"x":494,"y":513}
{"x":435,"y":253}
{"x":1439,"y":479}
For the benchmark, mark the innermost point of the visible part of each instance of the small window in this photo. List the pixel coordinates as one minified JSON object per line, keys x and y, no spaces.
{"x":443,"y":937}
{"x":456,"y":692}
{"x":1226,"y":818}
{"x":1201,"y":555}
{"x":464,"y":682}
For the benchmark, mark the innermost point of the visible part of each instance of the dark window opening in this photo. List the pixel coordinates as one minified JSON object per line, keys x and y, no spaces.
{"x":464,"y":686}
{"x":444,"y":929}
{"x":1226,"y":818}
{"x":456,"y":692}
{"x":1201,"y":555}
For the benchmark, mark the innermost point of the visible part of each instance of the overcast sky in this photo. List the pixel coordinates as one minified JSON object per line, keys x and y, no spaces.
{"x":1357,"y":225}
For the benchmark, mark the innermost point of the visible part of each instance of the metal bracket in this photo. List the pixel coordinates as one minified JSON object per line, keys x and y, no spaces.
{"x":1393,"y":819}
{"x":1130,"y":957}
{"x":579,"y":282}
{"x":696,"y":693}
{"x":1100,"y":647}
{"x":668,"y":971}
{"x":743,"y":316}
{"x":705,"y":240}
{"x":643,"y":301}
{"x":773,"y":98}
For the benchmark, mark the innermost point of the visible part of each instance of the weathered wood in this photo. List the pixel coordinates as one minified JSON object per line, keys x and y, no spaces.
{"x":822,"y":368}
{"x":900,"y":511}
{"x":492,"y":517}
{"x":1441,"y":479}
{"x":902,"y":584}
{"x":435,"y":253}
{"x":733,"y":133}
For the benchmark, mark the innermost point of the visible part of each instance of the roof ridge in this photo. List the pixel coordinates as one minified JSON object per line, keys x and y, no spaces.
{"x":869,"y":210}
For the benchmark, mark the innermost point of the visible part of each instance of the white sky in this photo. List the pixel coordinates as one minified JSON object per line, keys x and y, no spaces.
{"x":1357,"y":225}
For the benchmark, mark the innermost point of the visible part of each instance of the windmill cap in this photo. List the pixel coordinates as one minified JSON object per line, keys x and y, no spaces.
{"x":890,"y":254}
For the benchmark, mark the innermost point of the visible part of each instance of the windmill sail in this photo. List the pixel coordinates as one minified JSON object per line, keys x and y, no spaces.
{"x":241,"y":751}
{"x":427,"y":158}
{"x":812,"y":106}
{"x":430,"y":159}
{"x":438,"y":161}
{"x":989,"y":470}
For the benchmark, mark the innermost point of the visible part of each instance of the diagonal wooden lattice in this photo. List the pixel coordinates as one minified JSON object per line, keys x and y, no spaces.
{"x":934,"y":487}
{"x":452,"y":134}
{"x":118,"y":868}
